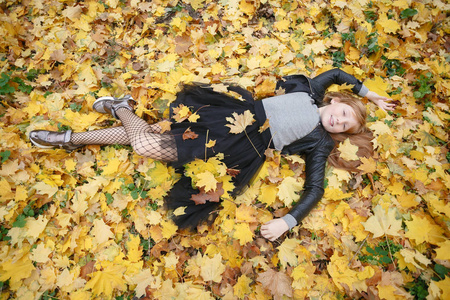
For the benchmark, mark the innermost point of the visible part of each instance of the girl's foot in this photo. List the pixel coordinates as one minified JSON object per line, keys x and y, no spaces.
{"x":109,"y":105}
{"x":53,"y":139}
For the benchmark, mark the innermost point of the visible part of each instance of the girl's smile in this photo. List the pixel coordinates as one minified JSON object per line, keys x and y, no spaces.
{"x":337,"y":117}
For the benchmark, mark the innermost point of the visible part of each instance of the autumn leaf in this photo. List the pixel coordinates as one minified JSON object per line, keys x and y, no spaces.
{"x":287,"y":253}
{"x":15,"y":270}
{"x":105,"y":281}
{"x":382,"y":223}
{"x":207,"y":181}
{"x":101,"y":232}
{"x":348,"y":150}
{"x":212,"y":268}
{"x":239,"y":122}
{"x":181,"y":113}
{"x":188,"y":134}
{"x":212,"y":195}
{"x":421,"y":229}
{"x":210,"y":144}
{"x":278,"y":283}
{"x":242,"y":286}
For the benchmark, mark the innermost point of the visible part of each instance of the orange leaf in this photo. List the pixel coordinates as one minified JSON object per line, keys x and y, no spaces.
{"x":189,"y":134}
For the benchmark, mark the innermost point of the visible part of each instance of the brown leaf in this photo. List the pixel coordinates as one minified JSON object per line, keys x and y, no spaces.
{"x":278,"y":283}
{"x":189,"y":134}
{"x":183,"y":43}
{"x":233,"y":172}
{"x":87,"y":269}
{"x":212,"y":196}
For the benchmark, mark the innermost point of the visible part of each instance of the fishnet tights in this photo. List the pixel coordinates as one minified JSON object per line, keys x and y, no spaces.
{"x":145,"y":139}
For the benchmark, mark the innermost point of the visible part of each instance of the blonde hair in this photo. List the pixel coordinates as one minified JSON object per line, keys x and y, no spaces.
{"x":359,"y":135}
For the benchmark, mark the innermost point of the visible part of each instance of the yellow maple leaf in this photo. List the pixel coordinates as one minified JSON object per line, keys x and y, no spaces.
{"x":386,"y":291}
{"x":35,"y":227}
{"x":168,"y":228}
{"x":368,"y":165}
{"x":282,"y":25}
{"x":112,"y":167}
{"x":382,"y":223}
{"x":412,"y":256}
{"x":212,"y":268}
{"x":207,"y":181}
{"x":339,"y":270}
{"x":242,"y":286}
{"x":107,"y":280}
{"x":422,"y":230}
{"x":179,"y":211}
{"x":286,"y":252}
{"x":377,"y":85}
{"x":268,"y":193}
{"x":210,"y":144}
{"x":348,"y":150}
{"x":45,"y":189}
{"x":444,"y":285}
{"x":193,"y":118}
{"x":239,"y":122}
{"x":145,"y":279}
{"x":443,"y":252}
{"x":79,"y":121}
{"x":245,"y":213}
{"x":101,"y":231}
{"x":243,"y":233}
{"x":288,"y":190}
{"x":15,"y":270}
{"x":134,"y":253}
{"x":389,"y":25}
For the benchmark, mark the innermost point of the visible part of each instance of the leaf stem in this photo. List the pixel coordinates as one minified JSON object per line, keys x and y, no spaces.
{"x":206,"y":143}
{"x":359,"y":249}
{"x":390,"y":253}
{"x":251,"y":143}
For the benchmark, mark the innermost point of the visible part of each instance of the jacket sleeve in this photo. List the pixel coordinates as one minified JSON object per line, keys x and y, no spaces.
{"x":315,"y":162}
{"x":322,"y":82}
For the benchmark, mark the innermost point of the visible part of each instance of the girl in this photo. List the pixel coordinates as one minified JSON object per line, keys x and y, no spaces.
{"x":302,"y":121}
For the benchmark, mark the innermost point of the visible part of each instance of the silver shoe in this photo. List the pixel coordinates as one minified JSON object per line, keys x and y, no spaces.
{"x":53,"y":139}
{"x":109,"y":105}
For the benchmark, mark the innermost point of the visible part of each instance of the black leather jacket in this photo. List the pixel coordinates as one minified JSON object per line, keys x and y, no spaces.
{"x":317,"y":145}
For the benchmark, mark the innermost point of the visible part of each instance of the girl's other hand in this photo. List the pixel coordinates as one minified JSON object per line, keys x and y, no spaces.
{"x":381,"y":101}
{"x":274,"y":229}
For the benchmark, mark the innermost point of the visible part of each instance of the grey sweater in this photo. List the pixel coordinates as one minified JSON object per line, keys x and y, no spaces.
{"x":291,"y":117}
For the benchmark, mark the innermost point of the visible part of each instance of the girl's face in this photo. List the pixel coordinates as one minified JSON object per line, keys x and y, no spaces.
{"x":337,"y":117}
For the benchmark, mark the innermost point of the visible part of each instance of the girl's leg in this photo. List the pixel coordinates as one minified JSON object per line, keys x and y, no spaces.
{"x":143,"y":138}
{"x":108,"y":136}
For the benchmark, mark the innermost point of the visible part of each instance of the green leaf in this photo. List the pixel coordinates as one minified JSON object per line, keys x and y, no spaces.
{"x":109,"y":198}
{"x":409,"y":12}
{"x":20,"y":221}
{"x":441,"y":270}
{"x":5,"y":155}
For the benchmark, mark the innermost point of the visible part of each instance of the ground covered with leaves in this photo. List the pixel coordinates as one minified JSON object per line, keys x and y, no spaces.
{"x":91,"y":223}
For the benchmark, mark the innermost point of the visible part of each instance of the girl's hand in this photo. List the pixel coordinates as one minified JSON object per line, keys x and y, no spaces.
{"x":381,"y":101}
{"x":273,"y":229}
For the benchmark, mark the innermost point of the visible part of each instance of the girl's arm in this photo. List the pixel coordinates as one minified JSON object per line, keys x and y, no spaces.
{"x":322,"y":82}
{"x":318,"y":146}
{"x":381,"y":101}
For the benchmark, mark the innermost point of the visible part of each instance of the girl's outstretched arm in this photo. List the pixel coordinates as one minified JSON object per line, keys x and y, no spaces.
{"x":381,"y":101}
{"x":274,"y":228}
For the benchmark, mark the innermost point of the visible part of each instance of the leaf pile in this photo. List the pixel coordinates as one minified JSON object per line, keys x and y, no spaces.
{"x":91,"y":223}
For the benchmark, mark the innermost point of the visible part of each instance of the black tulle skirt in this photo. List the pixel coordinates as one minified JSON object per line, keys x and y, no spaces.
{"x":239,"y":153}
